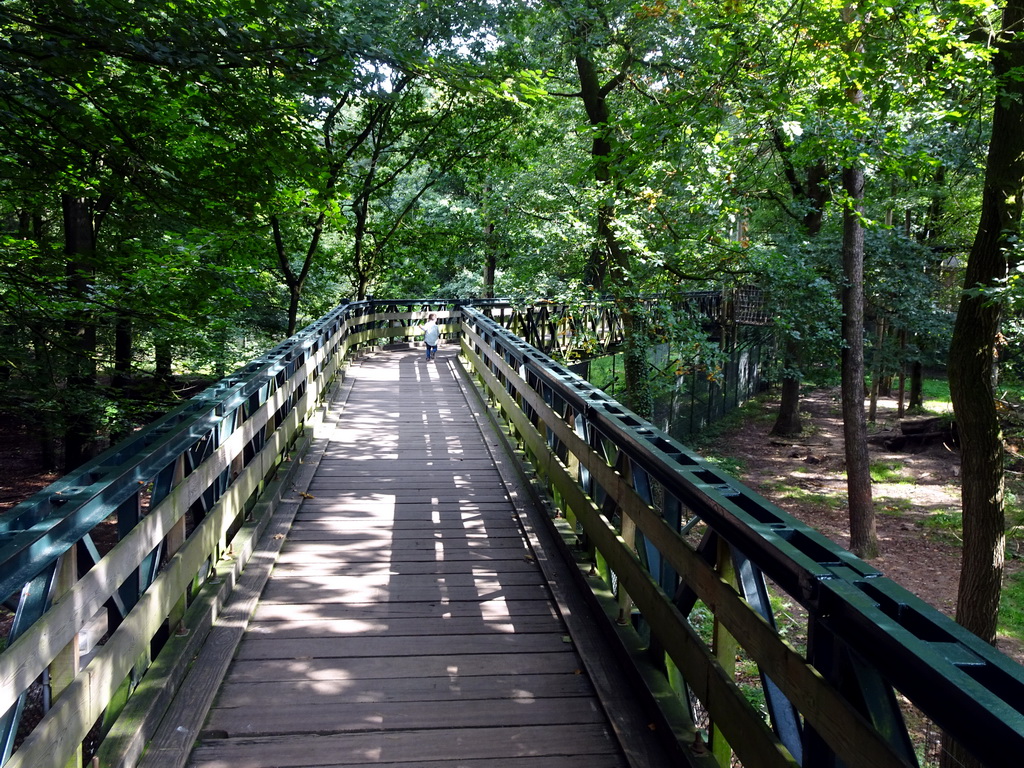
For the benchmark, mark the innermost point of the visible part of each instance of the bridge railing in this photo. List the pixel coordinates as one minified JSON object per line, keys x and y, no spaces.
{"x":633,"y":500}
{"x":186,"y":499}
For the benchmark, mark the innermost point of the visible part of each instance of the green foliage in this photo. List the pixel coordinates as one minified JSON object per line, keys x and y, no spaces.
{"x":948,"y":522}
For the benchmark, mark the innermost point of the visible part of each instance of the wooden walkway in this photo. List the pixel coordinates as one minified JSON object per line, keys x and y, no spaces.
{"x":406,"y":622}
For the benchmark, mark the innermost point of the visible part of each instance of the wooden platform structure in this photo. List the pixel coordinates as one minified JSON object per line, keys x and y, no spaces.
{"x":406,"y":621}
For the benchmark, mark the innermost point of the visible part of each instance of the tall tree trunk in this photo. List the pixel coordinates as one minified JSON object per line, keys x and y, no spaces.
{"x":973,"y":347}
{"x":294,"y":281}
{"x":814,"y":192}
{"x":163,"y":362}
{"x":878,"y":378}
{"x":294,"y":297}
{"x":490,"y":261}
{"x":916,"y":399}
{"x":972,"y":357}
{"x":611,"y":258}
{"x":81,"y":419}
{"x":863,"y":535}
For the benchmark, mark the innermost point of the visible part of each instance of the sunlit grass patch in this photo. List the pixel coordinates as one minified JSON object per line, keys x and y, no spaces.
{"x":935,"y":396}
{"x":728,"y":464}
{"x":1011,"y":607}
{"x":888,"y":472}
{"x":796,"y":494}
{"x":945,"y":521}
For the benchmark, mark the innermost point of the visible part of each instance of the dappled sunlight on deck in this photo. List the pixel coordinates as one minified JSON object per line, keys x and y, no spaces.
{"x":406,"y":617}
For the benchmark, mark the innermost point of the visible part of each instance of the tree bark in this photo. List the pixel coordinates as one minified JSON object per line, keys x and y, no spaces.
{"x":916,"y":398}
{"x":163,"y":363}
{"x":80,"y":335}
{"x":295,"y":281}
{"x":122,"y":353}
{"x":863,"y":534}
{"x":490,"y":261}
{"x":814,"y":192}
{"x":788,"y":421}
{"x":973,"y":347}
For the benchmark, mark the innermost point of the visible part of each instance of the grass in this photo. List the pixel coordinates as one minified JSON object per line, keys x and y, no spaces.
{"x":604,"y":371}
{"x":1011,"y":607}
{"x":1011,"y":601}
{"x":889,"y":505}
{"x":888,"y":472}
{"x":947,"y":521}
{"x":935,"y":396}
{"x":727,"y":464}
{"x":751,"y":410}
{"x":795,"y":493}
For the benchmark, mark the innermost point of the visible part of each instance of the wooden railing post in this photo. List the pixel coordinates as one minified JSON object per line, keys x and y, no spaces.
{"x":64,"y":667}
{"x":725,"y":648}
{"x":175,"y":538}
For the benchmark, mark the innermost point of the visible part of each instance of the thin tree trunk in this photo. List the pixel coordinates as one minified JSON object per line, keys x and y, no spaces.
{"x":614,"y":257}
{"x":294,"y":297}
{"x":814,"y":192}
{"x":80,"y":336}
{"x":877,"y":386}
{"x":788,"y":422}
{"x":163,"y":362}
{"x":916,"y":400}
{"x":863,"y":534}
{"x":902,"y":375}
{"x":491,"y":261}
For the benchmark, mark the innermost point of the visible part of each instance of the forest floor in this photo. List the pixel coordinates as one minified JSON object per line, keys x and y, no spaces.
{"x":917,"y":500}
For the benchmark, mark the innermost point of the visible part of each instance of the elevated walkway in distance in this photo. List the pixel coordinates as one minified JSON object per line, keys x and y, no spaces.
{"x":406,"y":620}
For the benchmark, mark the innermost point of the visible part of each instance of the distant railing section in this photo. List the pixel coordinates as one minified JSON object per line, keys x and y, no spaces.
{"x":633,"y":501}
{"x":572,"y":331}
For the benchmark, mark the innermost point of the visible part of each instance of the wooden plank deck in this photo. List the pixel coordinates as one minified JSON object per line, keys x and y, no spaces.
{"x":406,"y":622}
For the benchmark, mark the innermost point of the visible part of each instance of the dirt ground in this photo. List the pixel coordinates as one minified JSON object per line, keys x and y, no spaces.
{"x":806,"y":477}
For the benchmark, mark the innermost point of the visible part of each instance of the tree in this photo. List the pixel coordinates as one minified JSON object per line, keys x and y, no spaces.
{"x":973,"y":351}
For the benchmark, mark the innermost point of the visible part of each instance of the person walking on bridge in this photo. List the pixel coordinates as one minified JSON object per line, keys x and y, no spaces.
{"x":431,"y":335}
